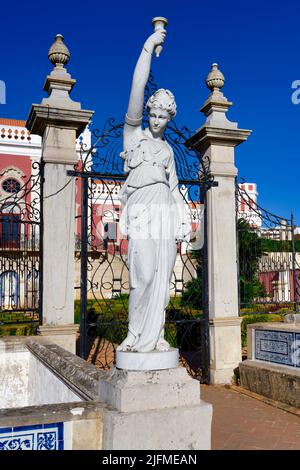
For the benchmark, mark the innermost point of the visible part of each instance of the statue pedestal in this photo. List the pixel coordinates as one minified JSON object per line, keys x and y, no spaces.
{"x":158,"y":410}
{"x":154,"y":360}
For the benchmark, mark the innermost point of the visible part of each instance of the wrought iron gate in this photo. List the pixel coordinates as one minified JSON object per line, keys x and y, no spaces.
{"x":20,"y":253}
{"x":104,"y":284}
{"x":269,"y":258}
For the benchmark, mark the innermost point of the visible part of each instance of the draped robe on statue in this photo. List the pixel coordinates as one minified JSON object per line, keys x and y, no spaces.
{"x":151,"y":218}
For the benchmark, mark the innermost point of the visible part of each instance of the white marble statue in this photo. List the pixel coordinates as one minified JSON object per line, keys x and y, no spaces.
{"x":154,"y":216}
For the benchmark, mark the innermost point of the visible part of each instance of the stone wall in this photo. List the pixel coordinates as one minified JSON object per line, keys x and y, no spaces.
{"x":25,"y":381}
{"x":44,"y":388}
{"x":14,"y":366}
{"x":275,"y":382}
{"x":108,"y":410}
{"x":75,"y":426}
{"x":48,"y":398}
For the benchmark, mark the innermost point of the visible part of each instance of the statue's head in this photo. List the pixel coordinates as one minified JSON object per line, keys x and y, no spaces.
{"x":163,"y":99}
{"x":161,"y":108}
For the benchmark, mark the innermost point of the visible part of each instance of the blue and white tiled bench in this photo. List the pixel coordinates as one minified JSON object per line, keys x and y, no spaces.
{"x":272,"y":367}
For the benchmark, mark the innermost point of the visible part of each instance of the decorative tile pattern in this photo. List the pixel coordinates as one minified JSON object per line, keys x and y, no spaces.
{"x":279,"y":347}
{"x":297,"y":349}
{"x":36,"y":437}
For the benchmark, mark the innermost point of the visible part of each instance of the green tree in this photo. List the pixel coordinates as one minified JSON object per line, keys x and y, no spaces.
{"x":192,"y":294}
{"x":251,"y":249}
{"x":250,"y":252}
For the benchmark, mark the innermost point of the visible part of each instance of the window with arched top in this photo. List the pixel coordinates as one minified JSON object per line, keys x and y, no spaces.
{"x":10,"y":225}
{"x":9,"y":290}
{"x":10,"y":207}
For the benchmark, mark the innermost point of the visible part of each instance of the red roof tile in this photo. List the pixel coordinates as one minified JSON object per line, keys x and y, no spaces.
{"x":12,"y":122}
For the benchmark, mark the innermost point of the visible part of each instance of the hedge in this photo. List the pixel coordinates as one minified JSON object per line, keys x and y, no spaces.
{"x":257,"y":318}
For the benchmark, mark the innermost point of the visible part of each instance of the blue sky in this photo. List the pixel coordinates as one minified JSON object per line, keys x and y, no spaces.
{"x":255,"y":43}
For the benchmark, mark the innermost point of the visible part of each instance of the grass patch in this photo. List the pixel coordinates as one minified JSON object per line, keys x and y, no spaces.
{"x":267,"y":308}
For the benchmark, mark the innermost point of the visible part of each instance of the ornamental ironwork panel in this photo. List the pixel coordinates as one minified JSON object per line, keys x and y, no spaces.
{"x":20,"y":250}
{"x":269,"y":255}
{"x":102,"y":250}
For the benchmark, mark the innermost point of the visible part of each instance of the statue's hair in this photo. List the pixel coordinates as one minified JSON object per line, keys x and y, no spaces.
{"x":163,"y":99}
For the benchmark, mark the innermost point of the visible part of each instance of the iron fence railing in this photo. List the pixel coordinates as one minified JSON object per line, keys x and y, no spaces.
{"x":21,"y":229}
{"x":269,"y":273}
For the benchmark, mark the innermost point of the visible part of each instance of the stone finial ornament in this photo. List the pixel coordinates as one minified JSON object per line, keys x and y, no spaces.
{"x":217,"y":105}
{"x":215,"y":79}
{"x":59,"y":82}
{"x":58,"y":53}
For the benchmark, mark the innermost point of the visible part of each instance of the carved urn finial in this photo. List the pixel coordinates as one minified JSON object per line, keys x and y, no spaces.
{"x":215,"y":79}
{"x":58,"y":53}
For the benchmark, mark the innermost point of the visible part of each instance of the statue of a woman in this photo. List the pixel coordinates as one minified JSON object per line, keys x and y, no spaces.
{"x":154,"y":215}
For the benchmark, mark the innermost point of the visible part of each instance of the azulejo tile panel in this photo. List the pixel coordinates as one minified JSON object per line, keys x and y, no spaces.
{"x":297,"y":349}
{"x":279,"y":347}
{"x":35,"y":437}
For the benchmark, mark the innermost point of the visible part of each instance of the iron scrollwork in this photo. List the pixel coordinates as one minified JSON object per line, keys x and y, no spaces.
{"x":20,"y":229}
{"x":268,"y":270}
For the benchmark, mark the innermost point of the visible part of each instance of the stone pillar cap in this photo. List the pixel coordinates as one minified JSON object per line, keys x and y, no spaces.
{"x":216,"y":105}
{"x":42,"y":116}
{"x":59,"y":82}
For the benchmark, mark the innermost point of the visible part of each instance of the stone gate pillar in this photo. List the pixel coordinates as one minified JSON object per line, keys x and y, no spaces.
{"x":59,"y":120}
{"x":217,"y":139}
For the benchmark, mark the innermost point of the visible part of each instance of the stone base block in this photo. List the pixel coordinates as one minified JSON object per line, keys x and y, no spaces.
{"x":62,"y":335}
{"x":154,"y":360}
{"x":154,"y":410}
{"x":128,"y":391}
{"x":222,"y":376}
{"x":225,"y":348}
{"x":178,"y":428}
{"x":280,"y":383}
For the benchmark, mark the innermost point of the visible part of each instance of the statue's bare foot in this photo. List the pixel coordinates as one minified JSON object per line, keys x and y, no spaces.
{"x":127,"y":344}
{"x":162,"y":345}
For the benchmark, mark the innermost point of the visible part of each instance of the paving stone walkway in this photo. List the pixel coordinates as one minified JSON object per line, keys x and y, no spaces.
{"x":241,"y":422}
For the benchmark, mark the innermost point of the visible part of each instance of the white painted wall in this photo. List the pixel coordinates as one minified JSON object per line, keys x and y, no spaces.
{"x":44,"y":387}
{"x":14,"y":368}
{"x":25,"y":381}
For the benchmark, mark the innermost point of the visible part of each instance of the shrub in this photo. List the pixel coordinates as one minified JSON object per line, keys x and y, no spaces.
{"x":250,"y":251}
{"x":113,"y":331}
{"x":18,"y":329}
{"x":110,"y":319}
{"x":192,"y":295}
